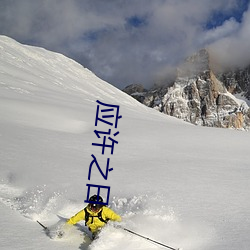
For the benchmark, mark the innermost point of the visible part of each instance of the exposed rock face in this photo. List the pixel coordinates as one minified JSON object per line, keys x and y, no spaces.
{"x":137,"y":91}
{"x":199,"y":97}
{"x":237,"y":81}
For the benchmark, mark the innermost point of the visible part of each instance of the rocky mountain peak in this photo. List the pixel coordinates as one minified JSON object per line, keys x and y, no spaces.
{"x":200,"y":96}
{"x":196,"y":64}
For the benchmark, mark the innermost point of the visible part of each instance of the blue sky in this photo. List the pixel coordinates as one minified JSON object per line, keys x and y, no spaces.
{"x":131,"y":41}
{"x":218,"y":17}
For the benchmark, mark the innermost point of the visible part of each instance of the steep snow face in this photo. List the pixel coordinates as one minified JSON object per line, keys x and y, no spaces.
{"x":37,"y":74}
{"x":179,"y":184}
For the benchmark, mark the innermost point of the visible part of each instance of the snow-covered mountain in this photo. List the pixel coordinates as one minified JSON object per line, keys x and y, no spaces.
{"x":182,"y":185}
{"x":237,"y":81}
{"x":201,"y":95}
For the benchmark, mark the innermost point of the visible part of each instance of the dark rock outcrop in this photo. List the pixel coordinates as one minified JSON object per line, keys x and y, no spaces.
{"x":199,"y":96}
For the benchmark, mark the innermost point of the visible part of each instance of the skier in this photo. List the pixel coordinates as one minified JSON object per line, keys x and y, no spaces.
{"x":95,"y":215}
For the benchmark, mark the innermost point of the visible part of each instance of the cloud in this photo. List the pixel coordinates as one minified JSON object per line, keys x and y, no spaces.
{"x":233,"y":49}
{"x":228,"y":28}
{"x":121,"y":41}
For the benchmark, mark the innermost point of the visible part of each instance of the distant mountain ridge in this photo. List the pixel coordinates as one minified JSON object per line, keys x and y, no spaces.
{"x":200,"y":95}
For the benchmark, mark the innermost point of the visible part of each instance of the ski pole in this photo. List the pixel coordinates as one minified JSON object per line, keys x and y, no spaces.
{"x":159,"y":243}
{"x":45,"y":228}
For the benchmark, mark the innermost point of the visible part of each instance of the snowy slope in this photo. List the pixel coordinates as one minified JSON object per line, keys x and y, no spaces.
{"x":182,"y":185}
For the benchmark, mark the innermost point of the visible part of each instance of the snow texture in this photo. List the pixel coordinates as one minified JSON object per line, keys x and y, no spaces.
{"x":176,"y":183}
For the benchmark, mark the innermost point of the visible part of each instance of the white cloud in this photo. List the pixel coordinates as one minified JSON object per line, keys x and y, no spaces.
{"x":233,"y":50}
{"x":97,"y":32}
{"x":228,"y":28}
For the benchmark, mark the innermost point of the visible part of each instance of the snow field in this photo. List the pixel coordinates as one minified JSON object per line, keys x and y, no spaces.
{"x":181,"y":185}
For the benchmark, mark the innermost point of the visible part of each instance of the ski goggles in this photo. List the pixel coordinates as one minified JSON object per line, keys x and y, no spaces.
{"x":95,"y":207}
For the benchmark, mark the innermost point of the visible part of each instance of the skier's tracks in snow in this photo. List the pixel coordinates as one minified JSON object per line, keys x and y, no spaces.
{"x":33,"y":204}
{"x":8,"y":194}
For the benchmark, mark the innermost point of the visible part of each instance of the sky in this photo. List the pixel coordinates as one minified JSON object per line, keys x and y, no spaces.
{"x":132,"y":41}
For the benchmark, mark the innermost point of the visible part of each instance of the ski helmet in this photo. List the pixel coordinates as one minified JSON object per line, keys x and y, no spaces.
{"x":94,"y":206}
{"x":96,"y":198}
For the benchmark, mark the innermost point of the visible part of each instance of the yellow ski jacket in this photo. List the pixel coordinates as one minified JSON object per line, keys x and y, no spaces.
{"x":94,"y":223}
